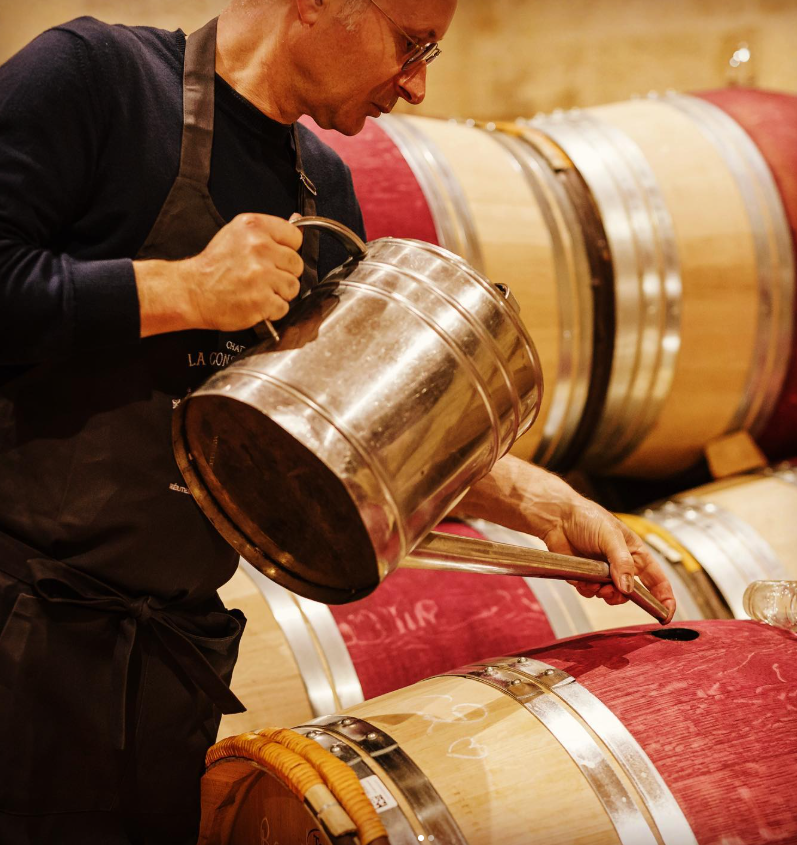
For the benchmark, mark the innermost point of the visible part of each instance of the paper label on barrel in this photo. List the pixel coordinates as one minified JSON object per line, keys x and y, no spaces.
{"x":378,"y":794}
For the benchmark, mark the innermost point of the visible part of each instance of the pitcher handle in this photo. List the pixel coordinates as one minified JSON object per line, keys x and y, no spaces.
{"x":355,"y":246}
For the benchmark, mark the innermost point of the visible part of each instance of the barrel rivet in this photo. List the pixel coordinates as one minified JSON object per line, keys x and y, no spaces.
{"x":522,"y":660}
{"x":347,"y":722}
{"x":549,"y":672}
{"x":372,"y":737}
{"x":489,"y":670}
{"x":313,"y":734}
{"x":516,"y":682}
{"x":336,"y":749}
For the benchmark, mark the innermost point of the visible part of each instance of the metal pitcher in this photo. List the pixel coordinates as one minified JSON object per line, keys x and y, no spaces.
{"x":327,"y":453}
{"x":325,"y":456}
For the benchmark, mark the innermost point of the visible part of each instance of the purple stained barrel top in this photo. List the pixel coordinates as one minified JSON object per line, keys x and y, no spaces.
{"x":717,"y":716}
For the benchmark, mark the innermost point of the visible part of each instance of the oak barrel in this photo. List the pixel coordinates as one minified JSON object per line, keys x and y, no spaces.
{"x":703,"y":277}
{"x":689,"y":216}
{"x":635,"y":736}
{"x":738,"y":530}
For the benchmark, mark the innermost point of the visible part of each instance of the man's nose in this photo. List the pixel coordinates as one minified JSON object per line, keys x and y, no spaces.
{"x":412,"y":84}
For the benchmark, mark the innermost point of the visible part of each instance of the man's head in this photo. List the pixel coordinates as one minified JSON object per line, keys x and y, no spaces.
{"x":342,"y":60}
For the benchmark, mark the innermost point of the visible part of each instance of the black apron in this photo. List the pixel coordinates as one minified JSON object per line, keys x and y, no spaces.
{"x":115,"y":651}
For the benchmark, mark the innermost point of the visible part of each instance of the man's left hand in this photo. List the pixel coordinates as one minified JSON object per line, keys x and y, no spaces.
{"x":527,"y":498}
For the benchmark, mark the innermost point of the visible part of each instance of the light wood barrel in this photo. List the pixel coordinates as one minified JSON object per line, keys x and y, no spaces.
{"x":637,"y":736}
{"x":739,"y":530}
{"x":770,"y":119}
{"x":299,"y":658}
{"x":704,"y":277}
{"x":680,"y":202}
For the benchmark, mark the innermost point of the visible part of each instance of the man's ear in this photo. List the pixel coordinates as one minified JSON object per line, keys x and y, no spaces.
{"x":309,"y":11}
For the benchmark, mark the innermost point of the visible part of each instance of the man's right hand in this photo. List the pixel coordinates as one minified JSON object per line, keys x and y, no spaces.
{"x":249,"y":272}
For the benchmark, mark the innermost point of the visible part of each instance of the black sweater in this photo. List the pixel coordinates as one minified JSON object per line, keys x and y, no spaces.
{"x":90,"y":128}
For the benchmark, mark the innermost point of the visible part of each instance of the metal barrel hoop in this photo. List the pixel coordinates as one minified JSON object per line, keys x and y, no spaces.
{"x":641,"y":239}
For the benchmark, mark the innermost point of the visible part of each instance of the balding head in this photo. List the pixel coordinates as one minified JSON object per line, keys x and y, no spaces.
{"x":336,"y":60}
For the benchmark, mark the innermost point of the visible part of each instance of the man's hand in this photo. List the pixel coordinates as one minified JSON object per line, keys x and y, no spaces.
{"x":249,"y":272}
{"x":527,"y":498}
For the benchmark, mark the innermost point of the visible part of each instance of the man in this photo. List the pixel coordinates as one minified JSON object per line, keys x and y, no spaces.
{"x":143,"y":233}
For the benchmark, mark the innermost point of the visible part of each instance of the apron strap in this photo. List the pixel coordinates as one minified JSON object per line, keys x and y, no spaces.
{"x":307,"y":208}
{"x":199,"y":95}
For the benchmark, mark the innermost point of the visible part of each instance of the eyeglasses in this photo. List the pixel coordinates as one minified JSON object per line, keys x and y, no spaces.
{"x":420,"y":53}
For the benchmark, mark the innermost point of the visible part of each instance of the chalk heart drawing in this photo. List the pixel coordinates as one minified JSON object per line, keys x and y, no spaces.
{"x":460,"y":712}
{"x":466,"y":748}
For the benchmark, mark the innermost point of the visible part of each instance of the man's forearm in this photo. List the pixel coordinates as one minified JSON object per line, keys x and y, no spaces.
{"x":518,"y":495}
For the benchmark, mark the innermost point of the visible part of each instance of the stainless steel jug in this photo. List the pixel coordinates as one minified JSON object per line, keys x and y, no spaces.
{"x":326,"y":456}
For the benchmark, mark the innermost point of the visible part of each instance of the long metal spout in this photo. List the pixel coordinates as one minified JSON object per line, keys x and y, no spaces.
{"x":469,"y":554}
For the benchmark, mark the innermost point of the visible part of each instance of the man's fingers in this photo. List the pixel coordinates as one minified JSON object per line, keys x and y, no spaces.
{"x":586,"y":588}
{"x":289,"y":260}
{"x":280,"y":230}
{"x":614,"y":547}
{"x":274,"y":307}
{"x":647,"y":567}
{"x":629,"y":556}
{"x":613,"y":596}
{"x":285,"y":285}
{"x":650,"y":571}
